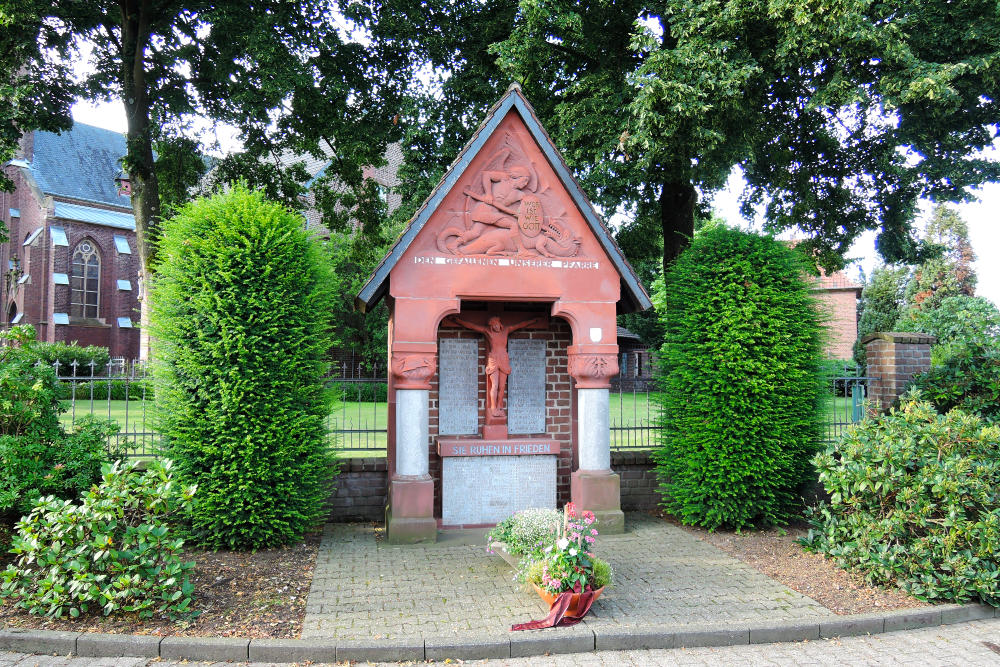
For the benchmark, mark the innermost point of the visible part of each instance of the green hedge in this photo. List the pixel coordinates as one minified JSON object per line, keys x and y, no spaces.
{"x":67,"y":353}
{"x":740,"y":381}
{"x":365,"y":392}
{"x":240,"y":312}
{"x":968,"y":379}
{"x":134,"y":390}
{"x":914,"y":503}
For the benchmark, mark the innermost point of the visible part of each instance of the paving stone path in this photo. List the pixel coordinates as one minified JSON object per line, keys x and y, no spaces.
{"x":364,"y":589}
{"x":959,"y":644}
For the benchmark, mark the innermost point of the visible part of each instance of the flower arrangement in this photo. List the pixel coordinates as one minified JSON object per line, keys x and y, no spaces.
{"x":567,"y":563}
{"x":525,"y":533}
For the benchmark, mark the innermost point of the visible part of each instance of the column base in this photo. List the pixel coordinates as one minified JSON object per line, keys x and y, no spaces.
{"x":600,"y":492}
{"x":409,"y":516}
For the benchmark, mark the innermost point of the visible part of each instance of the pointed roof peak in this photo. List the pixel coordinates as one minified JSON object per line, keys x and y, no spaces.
{"x":633,"y":294}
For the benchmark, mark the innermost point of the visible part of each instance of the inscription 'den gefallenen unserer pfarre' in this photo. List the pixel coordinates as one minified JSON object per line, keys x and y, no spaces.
{"x":526,"y":390}
{"x":458,"y":395}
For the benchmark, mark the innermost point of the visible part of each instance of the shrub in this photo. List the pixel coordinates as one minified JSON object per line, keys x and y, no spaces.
{"x":99,"y":390}
{"x":957,"y":321}
{"x":882,"y":300}
{"x":740,"y":381}
{"x":112,"y":552}
{"x":365,"y":392}
{"x":968,"y":379}
{"x":36,"y":456}
{"x":914,"y":503}
{"x":240,"y":311}
{"x":67,"y":353}
{"x":527,"y":531}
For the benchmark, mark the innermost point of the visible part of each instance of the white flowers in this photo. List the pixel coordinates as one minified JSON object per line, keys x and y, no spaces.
{"x":573,"y":552}
{"x":562,"y":543}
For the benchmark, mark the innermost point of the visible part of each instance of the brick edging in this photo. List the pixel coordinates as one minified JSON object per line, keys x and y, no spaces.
{"x":512,"y":645}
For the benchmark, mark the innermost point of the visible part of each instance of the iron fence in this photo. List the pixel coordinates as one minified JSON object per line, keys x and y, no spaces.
{"x":844,"y":401}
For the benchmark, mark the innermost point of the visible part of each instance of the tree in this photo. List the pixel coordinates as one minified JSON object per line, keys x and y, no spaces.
{"x":946,"y":273}
{"x":281,"y":71}
{"x":841,"y":116}
{"x":241,"y":313}
{"x":882,"y":302}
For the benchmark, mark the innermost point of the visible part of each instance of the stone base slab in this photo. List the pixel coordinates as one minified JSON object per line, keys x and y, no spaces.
{"x":401,"y":530}
{"x":599,"y":492}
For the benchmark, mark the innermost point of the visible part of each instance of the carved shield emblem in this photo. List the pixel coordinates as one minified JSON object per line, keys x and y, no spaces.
{"x":529,"y":216}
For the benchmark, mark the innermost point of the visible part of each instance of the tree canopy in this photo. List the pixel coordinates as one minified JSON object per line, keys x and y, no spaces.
{"x":841,"y":116}
{"x":287,"y":74}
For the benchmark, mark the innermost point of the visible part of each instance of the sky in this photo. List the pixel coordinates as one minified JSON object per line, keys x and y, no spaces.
{"x":981,"y":216}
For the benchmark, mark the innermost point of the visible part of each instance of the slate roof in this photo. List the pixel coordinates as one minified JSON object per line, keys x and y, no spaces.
{"x":80,"y":163}
{"x":633,"y":294}
{"x":97,"y":216}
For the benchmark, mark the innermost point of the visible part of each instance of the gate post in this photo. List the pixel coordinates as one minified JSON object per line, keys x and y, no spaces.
{"x":894,"y":357}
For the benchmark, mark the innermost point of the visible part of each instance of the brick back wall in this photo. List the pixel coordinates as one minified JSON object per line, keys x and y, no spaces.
{"x":558,"y":407}
{"x":363,"y":483}
{"x":638,"y":479}
{"x":361,"y":491}
{"x":841,"y":306}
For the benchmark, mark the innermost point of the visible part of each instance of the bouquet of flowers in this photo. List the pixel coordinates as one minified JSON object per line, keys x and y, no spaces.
{"x":567,"y":564}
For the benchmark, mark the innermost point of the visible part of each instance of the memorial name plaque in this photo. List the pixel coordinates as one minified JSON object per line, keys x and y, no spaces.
{"x":487,"y":489}
{"x":496,"y":447}
{"x":458,"y":390}
{"x":526,"y":386}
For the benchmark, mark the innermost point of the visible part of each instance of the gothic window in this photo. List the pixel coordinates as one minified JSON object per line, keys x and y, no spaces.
{"x":85,"y":281}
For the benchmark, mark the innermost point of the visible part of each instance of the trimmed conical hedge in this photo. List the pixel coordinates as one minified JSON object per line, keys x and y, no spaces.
{"x":240,"y":324}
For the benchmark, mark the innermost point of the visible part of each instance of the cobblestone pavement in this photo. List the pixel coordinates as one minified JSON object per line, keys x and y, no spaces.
{"x":663,"y":575}
{"x":960,"y":644}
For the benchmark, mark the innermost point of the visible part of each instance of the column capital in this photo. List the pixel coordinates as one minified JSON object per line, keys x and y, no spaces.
{"x":413,"y":370}
{"x":593,"y":369}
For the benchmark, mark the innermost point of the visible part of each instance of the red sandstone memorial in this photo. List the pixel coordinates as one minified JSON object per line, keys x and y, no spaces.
{"x":502,"y":294}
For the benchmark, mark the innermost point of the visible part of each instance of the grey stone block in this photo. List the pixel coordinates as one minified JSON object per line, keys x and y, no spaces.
{"x":472,"y":648}
{"x":634,"y":639}
{"x":381,"y":650}
{"x":959,"y":613}
{"x":293,"y":650}
{"x":788,"y":632}
{"x":38,"y":641}
{"x":699,"y":636}
{"x":909,"y":620}
{"x":851,"y":626}
{"x":93,"y":645}
{"x":205,"y":649}
{"x":551,"y":640}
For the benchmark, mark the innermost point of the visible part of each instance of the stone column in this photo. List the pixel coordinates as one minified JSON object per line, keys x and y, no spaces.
{"x":410,"y":512}
{"x":894,"y":357}
{"x":593,"y":486}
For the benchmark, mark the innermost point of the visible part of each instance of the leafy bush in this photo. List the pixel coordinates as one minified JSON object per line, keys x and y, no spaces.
{"x":740,"y":381}
{"x":527,"y":531}
{"x":133,"y":390}
{"x":914,"y":503}
{"x":31,"y":467}
{"x":365,"y":392}
{"x":67,"y":353}
{"x":112,"y":552}
{"x":957,"y":321}
{"x":968,"y":379}
{"x":240,"y":311}
{"x":36,"y":456}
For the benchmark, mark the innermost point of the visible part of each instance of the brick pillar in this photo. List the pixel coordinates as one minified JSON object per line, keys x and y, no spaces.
{"x":893,"y":359}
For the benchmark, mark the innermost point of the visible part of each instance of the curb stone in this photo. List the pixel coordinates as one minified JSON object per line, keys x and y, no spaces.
{"x":522,"y":644}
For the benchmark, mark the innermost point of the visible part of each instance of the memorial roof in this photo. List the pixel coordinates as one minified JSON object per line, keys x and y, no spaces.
{"x":633,"y":295}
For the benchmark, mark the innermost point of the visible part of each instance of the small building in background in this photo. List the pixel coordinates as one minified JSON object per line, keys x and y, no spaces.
{"x":635,"y":363}
{"x":839,"y":296}
{"x":71,"y":266}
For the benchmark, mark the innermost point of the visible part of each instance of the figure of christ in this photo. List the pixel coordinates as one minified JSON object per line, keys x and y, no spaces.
{"x":497,"y":361}
{"x":503,"y":189}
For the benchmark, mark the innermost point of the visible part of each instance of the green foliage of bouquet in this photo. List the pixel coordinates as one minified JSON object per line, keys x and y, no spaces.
{"x":112,"y":552}
{"x":915,"y":503}
{"x":567,"y":563}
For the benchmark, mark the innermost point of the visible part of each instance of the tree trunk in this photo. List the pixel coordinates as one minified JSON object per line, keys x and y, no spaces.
{"x":136,"y":16}
{"x":677,"y":200}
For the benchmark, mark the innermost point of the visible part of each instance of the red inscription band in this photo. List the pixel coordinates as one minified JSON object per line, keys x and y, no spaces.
{"x":496,"y":447}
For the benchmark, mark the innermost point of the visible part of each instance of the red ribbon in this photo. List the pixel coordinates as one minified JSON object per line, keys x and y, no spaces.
{"x":557,"y":612}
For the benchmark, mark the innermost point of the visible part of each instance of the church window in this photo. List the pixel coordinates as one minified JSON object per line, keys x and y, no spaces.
{"x":85,"y":281}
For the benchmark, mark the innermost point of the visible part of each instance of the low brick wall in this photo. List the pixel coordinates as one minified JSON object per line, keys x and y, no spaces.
{"x":638,"y":479}
{"x":362,"y":485}
{"x":361,"y":491}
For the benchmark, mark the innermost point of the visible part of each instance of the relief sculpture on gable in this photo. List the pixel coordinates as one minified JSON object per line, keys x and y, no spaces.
{"x":504,"y":215}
